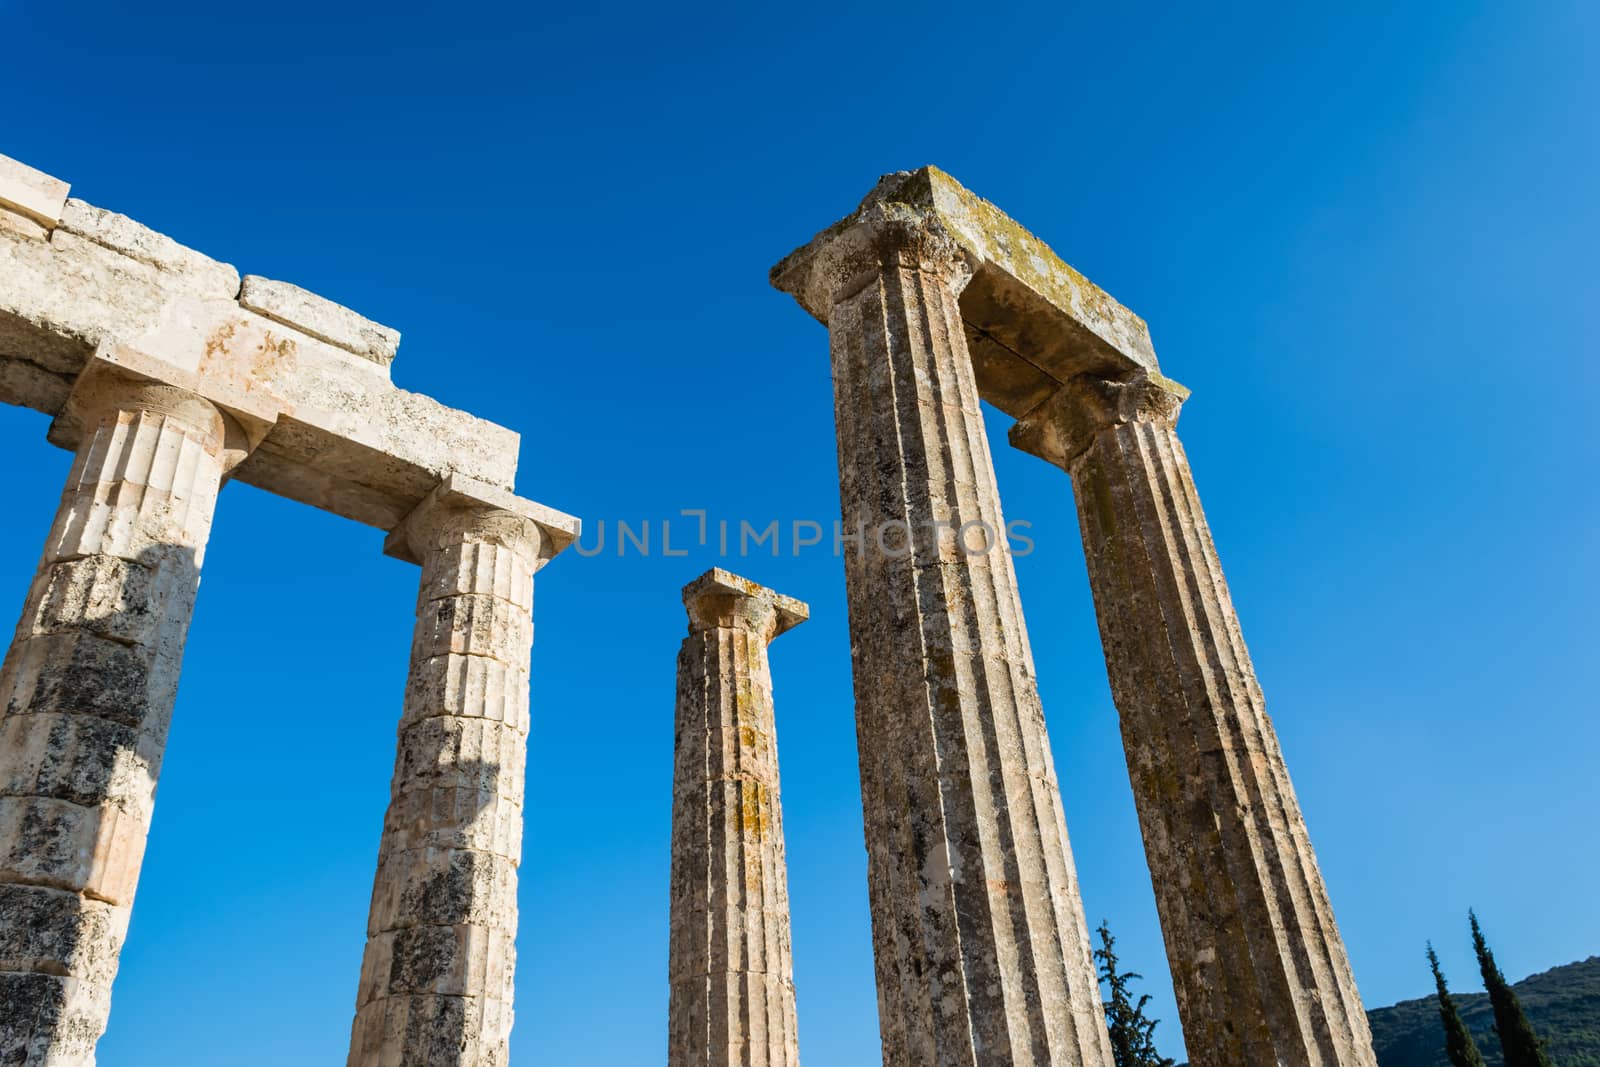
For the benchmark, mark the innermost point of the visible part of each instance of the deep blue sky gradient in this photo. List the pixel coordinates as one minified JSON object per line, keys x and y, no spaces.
{"x":1364,"y":234}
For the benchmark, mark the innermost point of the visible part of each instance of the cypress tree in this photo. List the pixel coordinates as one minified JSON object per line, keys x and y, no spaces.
{"x":1520,"y":1045}
{"x":1458,"y":1043}
{"x":1132,"y":1032}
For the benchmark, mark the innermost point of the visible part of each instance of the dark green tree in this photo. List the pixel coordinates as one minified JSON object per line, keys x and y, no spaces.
{"x":1458,"y":1043}
{"x":1132,"y":1033}
{"x":1520,"y":1045}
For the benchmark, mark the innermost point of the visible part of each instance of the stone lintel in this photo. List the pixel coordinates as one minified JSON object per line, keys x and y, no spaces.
{"x":31,"y":193}
{"x":113,"y":363}
{"x":458,"y":491}
{"x":706,"y":600}
{"x":345,"y":439}
{"x":1031,"y":320}
{"x":320,"y":318}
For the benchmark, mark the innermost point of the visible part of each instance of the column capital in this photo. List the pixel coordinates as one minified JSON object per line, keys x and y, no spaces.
{"x":461,"y":509}
{"x":1061,"y":427}
{"x":720,"y":598}
{"x":893,"y":227}
{"x":121,"y":378}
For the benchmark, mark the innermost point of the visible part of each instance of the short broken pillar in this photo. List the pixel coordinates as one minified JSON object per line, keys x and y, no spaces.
{"x":1259,"y":967}
{"x":86,"y":698}
{"x":731,"y":970}
{"x":981,"y":946}
{"x":436,"y":979}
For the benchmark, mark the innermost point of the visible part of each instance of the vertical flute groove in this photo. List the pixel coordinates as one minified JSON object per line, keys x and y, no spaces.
{"x":1259,"y":968}
{"x":980,"y":941}
{"x":86,"y":695}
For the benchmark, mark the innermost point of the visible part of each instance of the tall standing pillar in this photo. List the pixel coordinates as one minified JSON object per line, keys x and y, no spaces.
{"x":731,"y":969}
{"x":1261,"y":973}
{"x":981,"y":946}
{"x":86,"y":697}
{"x":436,"y":977}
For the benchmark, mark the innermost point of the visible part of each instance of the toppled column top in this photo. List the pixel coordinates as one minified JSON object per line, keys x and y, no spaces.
{"x":1032,"y":321}
{"x":720,"y":598}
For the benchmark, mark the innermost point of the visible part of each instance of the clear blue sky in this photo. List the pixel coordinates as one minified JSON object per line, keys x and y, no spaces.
{"x":1363,"y":234}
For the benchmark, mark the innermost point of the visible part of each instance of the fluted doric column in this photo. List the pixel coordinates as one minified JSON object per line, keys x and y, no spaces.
{"x":981,"y":946}
{"x":731,"y":969}
{"x":86,"y":697}
{"x":1260,"y":970}
{"x":436,"y":978}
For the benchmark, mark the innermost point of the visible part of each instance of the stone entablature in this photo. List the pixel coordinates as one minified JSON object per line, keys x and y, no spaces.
{"x":344,"y":439}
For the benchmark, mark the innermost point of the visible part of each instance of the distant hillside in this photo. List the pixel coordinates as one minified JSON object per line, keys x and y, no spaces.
{"x":1563,"y":1003}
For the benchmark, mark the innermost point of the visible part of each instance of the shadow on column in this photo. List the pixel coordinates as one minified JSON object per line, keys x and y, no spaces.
{"x":437,"y":987}
{"x":86,"y":696}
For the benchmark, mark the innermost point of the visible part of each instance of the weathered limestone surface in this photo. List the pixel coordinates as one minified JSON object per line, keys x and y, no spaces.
{"x":979,"y":935}
{"x":436,"y":979}
{"x":86,"y":696}
{"x":318,"y":317}
{"x":345,"y":438}
{"x":1260,"y":970}
{"x":731,"y":969}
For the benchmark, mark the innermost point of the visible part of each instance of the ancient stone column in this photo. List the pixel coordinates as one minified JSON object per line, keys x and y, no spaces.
{"x":731,"y":970}
{"x":436,"y":979}
{"x":86,"y":697}
{"x":981,"y":946}
{"x":1260,"y":970}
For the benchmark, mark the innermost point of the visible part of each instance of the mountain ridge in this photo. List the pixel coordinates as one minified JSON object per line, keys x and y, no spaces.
{"x":1563,"y":1004}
